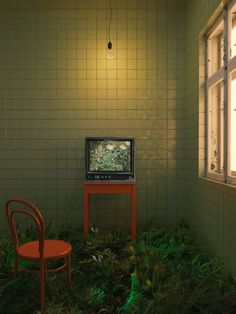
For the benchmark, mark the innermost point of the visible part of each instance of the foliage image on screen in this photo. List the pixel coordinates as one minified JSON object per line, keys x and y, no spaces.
{"x":110,"y":155}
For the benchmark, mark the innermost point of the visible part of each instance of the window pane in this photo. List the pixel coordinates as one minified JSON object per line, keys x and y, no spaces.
{"x":216,"y":49}
{"x":232,"y":25}
{"x":216,"y":128}
{"x":233,"y":122}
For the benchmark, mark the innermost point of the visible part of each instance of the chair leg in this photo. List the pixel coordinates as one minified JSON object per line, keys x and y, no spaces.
{"x":16,"y":263}
{"x":69,"y":270}
{"x":42,"y":283}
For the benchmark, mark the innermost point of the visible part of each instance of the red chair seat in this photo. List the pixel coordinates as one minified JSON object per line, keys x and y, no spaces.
{"x":53,"y":249}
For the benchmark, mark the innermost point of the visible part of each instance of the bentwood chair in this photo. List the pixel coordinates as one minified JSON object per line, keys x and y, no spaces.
{"x":41,"y":251}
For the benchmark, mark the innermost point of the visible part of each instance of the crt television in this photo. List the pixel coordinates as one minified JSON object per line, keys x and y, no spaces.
{"x":109,"y":158}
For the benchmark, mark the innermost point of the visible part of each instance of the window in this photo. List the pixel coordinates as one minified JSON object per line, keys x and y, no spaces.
{"x":221,"y":97}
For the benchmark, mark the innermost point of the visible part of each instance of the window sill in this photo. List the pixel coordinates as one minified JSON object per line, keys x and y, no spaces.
{"x":212,"y":181}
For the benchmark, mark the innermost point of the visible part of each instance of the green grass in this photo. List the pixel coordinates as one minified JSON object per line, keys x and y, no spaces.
{"x":165,"y":271}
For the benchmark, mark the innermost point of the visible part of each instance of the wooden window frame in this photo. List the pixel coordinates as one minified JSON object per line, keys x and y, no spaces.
{"x":222,"y":73}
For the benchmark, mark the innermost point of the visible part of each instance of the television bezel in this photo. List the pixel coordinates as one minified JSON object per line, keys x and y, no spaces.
{"x":110,"y":175}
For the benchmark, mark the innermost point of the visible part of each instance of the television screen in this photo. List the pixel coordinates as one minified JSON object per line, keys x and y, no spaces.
{"x":109,"y":158}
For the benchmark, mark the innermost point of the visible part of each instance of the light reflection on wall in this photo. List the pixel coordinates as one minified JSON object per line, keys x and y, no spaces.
{"x":59,"y":87}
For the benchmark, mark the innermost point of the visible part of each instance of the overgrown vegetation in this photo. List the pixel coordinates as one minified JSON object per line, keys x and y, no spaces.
{"x":110,"y":156}
{"x":165,"y":271}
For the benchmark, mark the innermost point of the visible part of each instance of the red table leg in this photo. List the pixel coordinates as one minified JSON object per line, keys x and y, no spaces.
{"x":133,"y":214}
{"x":86,"y":213}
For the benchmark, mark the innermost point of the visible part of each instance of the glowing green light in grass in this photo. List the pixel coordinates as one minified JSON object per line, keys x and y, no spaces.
{"x":134,"y":298}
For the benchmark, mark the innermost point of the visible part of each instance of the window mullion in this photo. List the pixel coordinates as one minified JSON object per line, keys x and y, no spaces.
{"x":226,"y":141}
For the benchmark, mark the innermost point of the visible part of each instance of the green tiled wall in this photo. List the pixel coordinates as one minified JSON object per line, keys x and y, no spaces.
{"x":57,"y":86}
{"x":211,"y":206}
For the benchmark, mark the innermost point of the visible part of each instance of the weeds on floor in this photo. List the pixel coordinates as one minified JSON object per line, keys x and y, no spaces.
{"x":166,"y":271}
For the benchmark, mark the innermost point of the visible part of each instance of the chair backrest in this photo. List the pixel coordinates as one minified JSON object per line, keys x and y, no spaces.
{"x":29,"y":209}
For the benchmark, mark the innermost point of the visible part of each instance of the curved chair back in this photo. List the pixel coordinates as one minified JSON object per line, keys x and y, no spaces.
{"x":29,"y":209}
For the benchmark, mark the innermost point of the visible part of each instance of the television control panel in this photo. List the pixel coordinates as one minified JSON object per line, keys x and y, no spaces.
{"x":108,"y":177}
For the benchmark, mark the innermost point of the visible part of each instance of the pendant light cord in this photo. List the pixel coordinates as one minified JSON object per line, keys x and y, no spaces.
{"x":110,"y":19}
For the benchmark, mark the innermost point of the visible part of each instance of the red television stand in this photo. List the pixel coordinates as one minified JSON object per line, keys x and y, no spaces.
{"x":110,"y":187}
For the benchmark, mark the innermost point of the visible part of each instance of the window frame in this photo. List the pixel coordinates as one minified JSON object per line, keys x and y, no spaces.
{"x":224,"y":74}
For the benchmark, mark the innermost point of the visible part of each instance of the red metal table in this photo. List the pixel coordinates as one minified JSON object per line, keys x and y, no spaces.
{"x":110,"y":187}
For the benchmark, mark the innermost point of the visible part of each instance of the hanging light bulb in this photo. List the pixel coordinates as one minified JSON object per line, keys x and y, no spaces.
{"x":110,"y":55}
